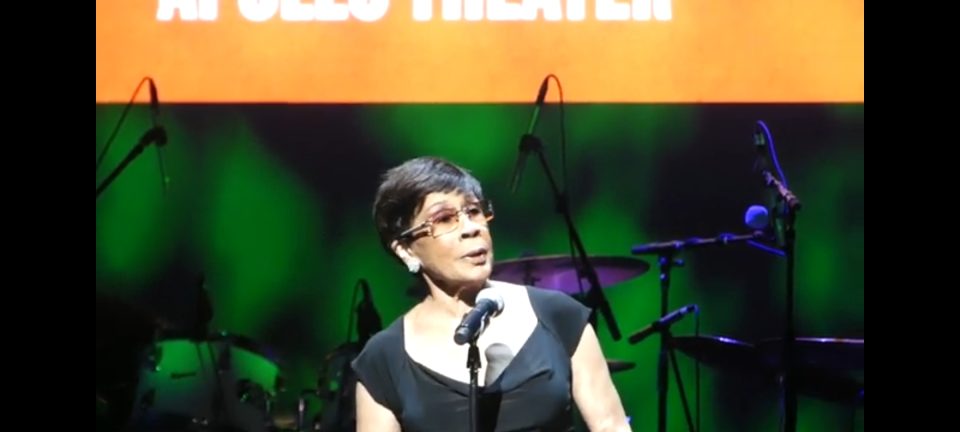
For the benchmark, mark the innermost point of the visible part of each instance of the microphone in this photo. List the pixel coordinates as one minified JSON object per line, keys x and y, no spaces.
{"x":489,"y":303}
{"x":663,"y":323}
{"x":760,"y":146}
{"x":162,"y":139}
{"x":763,"y":143}
{"x":156,"y":135}
{"x":527,"y":142}
{"x":541,"y":95}
{"x":154,"y":101}
{"x":757,"y":217}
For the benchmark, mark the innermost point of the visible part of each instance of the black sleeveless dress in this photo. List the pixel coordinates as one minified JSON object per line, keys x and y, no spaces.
{"x":533,"y":392}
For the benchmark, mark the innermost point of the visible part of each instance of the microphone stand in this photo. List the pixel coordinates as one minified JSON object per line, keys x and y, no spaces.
{"x":666,"y":338}
{"x":666,"y":262}
{"x":473,"y":363}
{"x":666,"y":348}
{"x":154,"y":134}
{"x":786,"y":207}
{"x":666,"y":345}
{"x":666,"y":252}
{"x":786,"y":214}
{"x":222,"y":362}
{"x":595,"y":298}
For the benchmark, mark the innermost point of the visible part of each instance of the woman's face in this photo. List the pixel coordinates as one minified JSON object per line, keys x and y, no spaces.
{"x":454,"y":247}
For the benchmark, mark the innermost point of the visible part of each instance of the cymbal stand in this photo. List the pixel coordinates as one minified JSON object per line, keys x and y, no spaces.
{"x":666,"y":262}
{"x":666,"y":340}
{"x":595,"y":299}
{"x":786,"y":218}
{"x":155,"y":135}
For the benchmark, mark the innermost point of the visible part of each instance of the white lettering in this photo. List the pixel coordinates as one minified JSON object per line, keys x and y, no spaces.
{"x":422,"y":10}
{"x":452,"y":10}
{"x":208,"y":10}
{"x":663,"y":10}
{"x":369,"y":10}
{"x":641,"y":10}
{"x":189,"y":10}
{"x":330,"y":10}
{"x":293,"y":10}
{"x":473,"y":10}
{"x":258,"y":10}
{"x":501,"y":10}
{"x":610,"y":10}
{"x":552,"y":11}
{"x":576,"y":10}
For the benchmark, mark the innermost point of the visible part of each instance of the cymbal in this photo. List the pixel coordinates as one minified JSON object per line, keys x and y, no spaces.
{"x":819,"y":361}
{"x":620,"y":365}
{"x":821,"y":353}
{"x":719,"y":351}
{"x":560,"y":272}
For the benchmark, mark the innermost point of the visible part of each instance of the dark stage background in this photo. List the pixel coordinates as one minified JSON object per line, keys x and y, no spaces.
{"x":270,"y":207}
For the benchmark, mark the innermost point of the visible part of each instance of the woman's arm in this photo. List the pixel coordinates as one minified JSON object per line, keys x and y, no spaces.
{"x":593,"y":389}
{"x":371,"y":416}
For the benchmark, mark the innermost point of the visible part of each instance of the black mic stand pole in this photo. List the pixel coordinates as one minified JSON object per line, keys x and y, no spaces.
{"x":666,"y":261}
{"x":154,"y":134}
{"x":785,"y":214}
{"x":790,"y":392}
{"x":666,"y":340}
{"x":666,"y":345}
{"x":595,"y":298}
{"x":473,"y":363}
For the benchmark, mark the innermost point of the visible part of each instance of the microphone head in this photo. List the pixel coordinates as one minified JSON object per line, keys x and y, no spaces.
{"x":542,"y":91}
{"x":757,"y":217}
{"x":154,"y":100}
{"x":489,"y":303}
{"x":160,"y":135}
{"x":494,"y":295}
{"x":760,"y":134}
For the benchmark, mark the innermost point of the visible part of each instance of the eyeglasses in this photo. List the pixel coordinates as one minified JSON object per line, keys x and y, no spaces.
{"x":447,"y":220}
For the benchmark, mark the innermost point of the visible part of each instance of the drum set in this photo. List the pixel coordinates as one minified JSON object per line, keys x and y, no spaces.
{"x":151,"y":377}
{"x":185,"y":381}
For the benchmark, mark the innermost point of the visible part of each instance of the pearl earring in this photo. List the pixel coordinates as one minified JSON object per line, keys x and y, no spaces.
{"x":413,"y":266}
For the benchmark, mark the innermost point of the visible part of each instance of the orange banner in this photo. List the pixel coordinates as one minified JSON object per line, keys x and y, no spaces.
{"x":481,"y":51}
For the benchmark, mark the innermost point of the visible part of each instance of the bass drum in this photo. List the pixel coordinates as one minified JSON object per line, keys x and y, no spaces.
{"x":224,"y":383}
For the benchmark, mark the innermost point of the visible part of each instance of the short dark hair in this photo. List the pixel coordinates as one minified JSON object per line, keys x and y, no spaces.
{"x":403,"y":188}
